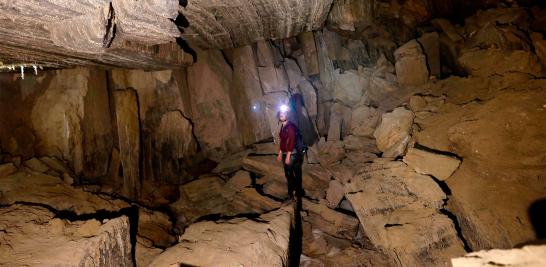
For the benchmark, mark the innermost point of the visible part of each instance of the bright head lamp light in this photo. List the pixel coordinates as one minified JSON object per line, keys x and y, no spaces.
{"x":283,"y":108}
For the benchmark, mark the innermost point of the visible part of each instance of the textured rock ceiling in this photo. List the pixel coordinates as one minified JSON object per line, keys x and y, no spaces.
{"x":228,"y":24}
{"x":142,"y":34}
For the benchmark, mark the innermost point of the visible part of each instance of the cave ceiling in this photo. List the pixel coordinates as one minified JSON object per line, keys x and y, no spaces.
{"x":151,"y":34}
{"x":143,"y":34}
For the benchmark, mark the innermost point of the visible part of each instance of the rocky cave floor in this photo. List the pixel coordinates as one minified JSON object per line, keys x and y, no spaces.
{"x":397,"y":190}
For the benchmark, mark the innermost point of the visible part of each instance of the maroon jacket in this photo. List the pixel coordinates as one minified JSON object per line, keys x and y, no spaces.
{"x":288,"y":137}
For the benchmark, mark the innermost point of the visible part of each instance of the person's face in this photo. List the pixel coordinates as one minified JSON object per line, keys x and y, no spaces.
{"x":283,"y":116}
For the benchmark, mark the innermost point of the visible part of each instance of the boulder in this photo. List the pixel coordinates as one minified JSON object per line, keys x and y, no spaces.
{"x":36,"y":231}
{"x":340,"y":117}
{"x":329,"y":221}
{"x":210,"y":195}
{"x":411,"y":65}
{"x":358,"y":157}
{"x":500,"y":160}
{"x":155,"y":227}
{"x":334,"y":194}
{"x":531,"y":256}
{"x":237,"y":242}
{"x":431,"y":48}
{"x":239,"y":180}
{"x":507,"y":37}
{"x":349,"y":88}
{"x":344,"y":171}
{"x":384,"y":91}
{"x":276,"y":188}
{"x":446,"y":27}
{"x":56,"y":165}
{"x":315,"y":181}
{"x":331,"y":152}
{"x":232,"y":163}
{"x":361,"y":144}
{"x":405,"y":219}
{"x":269,"y":148}
{"x":7,"y":169}
{"x":490,"y":62}
{"x":393,"y":134}
{"x":144,"y":253}
{"x":437,"y":165}
{"x":36,"y":165}
{"x":264,"y":165}
{"x":364,"y":120}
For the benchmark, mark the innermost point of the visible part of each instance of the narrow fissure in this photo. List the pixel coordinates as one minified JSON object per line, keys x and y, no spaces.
{"x":445,"y":188}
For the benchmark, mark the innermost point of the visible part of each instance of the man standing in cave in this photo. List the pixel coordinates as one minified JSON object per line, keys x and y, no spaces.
{"x":290,"y":154}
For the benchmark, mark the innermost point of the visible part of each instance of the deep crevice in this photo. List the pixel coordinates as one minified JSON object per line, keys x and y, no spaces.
{"x":110,"y":28}
{"x":435,"y":151}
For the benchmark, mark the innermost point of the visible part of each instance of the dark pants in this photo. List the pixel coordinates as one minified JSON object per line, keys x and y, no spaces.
{"x":293,"y":174}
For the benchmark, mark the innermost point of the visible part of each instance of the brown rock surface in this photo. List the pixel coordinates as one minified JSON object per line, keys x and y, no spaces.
{"x":329,"y":221}
{"x":128,"y":125}
{"x":411,"y":64}
{"x":247,"y":97}
{"x":31,"y":236}
{"x":209,"y":82}
{"x":437,"y":165}
{"x":393,"y":134}
{"x":528,"y":256}
{"x":499,"y":160}
{"x":490,"y":62}
{"x":155,"y":227}
{"x":51,"y":191}
{"x":262,"y":242}
{"x":364,"y":120}
{"x":399,"y":212}
{"x":210,"y":195}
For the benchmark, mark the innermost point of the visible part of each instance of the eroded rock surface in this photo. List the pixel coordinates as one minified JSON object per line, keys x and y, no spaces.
{"x":249,"y":242}
{"x":32,"y":236}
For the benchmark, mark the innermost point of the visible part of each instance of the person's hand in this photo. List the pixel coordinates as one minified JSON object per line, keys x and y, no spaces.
{"x":279,"y":157}
{"x":287,"y":161}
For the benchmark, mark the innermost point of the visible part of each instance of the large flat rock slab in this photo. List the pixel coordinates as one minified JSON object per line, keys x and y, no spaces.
{"x":47,"y":190}
{"x":528,"y":256}
{"x":33,"y":236}
{"x":237,"y":242}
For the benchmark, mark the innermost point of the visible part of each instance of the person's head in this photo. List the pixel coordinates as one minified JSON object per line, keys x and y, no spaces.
{"x":282,"y":115}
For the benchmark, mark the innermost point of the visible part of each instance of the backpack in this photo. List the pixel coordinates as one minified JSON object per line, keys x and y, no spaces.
{"x":300,"y":147}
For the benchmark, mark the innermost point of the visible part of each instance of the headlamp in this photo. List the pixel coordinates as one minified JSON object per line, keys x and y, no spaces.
{"x":283,"y":108}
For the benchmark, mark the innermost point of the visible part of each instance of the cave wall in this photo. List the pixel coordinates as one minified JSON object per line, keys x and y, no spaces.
{"x":64,"y":114}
